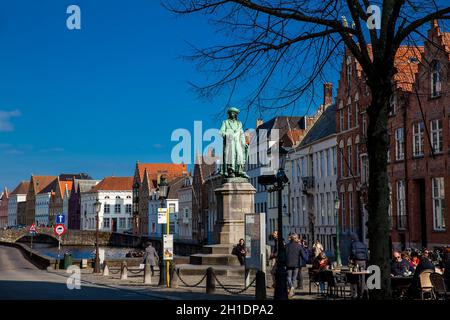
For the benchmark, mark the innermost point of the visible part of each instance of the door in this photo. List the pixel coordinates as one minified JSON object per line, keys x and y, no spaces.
{"x":422,"y":212}
{"x":114,"y":225}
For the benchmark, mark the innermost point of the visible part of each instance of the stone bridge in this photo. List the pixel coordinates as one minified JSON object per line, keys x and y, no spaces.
{"x":74,"y":237}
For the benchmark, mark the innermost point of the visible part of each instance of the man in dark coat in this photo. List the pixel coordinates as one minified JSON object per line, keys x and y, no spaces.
{"x":400,"y":266}
{"x":151,"y":257}
{"x":294,"y":256}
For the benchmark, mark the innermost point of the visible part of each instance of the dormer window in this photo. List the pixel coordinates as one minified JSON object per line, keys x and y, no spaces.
{"x":349,"y":71}
{"x":436,"y":77}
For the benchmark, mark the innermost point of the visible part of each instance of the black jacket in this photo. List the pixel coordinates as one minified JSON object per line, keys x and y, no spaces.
{"x":398,"y":268}
{"x":294,"y":255}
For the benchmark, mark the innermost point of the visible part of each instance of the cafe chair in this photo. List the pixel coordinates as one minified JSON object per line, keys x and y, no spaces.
{"x":439,"y":288}
{"x":334,"y":287}
{"x":426,"y":287}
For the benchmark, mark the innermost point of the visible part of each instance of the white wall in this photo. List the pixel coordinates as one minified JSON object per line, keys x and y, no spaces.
{"x":111,"y":198}
{"x":322,"y":194}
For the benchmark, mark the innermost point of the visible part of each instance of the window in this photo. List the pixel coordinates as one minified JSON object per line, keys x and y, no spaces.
{"x":364,"y":125}
{"x":172,"y":208}
{"x":356,"y":114}
{"x":357,"y":160}
{"x":399,"y":144}
{"x":304,"y":210}
{"x":117,"y":208}
{"x":436,"y":135}
{"x":350,"y":206}
{"x":349,"y":160}
{"x":106,"y":223}
{"x":330,"y":207}
{"x":130,"y":223}
{"x":334,"y":161}
{"x":390,"y":204}
{"x":418,"y":131}
{"x":365,"y":169}
{"x":341,"y":119}
{"x":393,"y":104}
{"x":322,"y":164}
{"x":349,"y":117}
{"x":436,"y":74}
{"x":438,"y":203}
{"x":122,"y":223}
{"x":342,"y":168}
{"x":322,"y":208}
{"x":349,"y":71}
{"x":329,"y":161}
{"x":128,"y":208}
{"x":388,"y":156}
{"x":107,"y":208}
{"x":401,"y":208}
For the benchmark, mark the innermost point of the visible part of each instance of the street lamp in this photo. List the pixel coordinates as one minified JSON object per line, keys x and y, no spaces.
{"x":337,"y":205}
{"x":97,"y":207}
{"x":278,"y":181}
{"x":163,"y":191}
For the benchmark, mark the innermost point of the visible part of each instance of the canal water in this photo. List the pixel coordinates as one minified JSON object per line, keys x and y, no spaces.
{"x":81,"y":252}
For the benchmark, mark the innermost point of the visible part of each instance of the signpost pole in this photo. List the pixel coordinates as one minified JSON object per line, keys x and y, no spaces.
{"x":168,"y":232}
{"x":31,"y":244}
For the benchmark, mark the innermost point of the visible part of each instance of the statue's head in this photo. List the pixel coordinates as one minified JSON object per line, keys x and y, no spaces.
{"x":232,"y":113}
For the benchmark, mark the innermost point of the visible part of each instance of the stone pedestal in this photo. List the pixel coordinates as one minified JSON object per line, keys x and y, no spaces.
{"x":234,"y":200}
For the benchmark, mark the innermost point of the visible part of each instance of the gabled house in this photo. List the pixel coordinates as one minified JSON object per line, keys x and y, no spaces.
{"x":17,"y":204}
{"x":37,"y":184}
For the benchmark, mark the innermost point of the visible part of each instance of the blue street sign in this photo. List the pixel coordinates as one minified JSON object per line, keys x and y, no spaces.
{"x":60,"y":219}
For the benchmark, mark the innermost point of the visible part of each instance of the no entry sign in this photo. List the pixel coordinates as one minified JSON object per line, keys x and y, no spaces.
{"x":59,"y":229}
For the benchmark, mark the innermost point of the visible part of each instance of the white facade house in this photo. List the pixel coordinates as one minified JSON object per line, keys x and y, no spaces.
{"x":312,"y":187}
{"x":185,"y":210}
{"x":18,"y":196}
{"x":43,"y":208}
{"x":115,"y":196}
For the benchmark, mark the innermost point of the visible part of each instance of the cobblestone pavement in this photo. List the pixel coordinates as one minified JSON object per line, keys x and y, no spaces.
{"x":233,"y":284}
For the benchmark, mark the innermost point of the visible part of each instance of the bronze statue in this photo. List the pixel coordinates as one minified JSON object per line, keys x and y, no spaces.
{"x":235,"y":148}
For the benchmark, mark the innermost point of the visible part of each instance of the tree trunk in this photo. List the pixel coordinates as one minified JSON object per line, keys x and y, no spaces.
{"x":378,"y":206}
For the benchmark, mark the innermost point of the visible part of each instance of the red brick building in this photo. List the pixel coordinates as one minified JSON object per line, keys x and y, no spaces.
{"x":418,"y":119}
{"x":145,"y":182}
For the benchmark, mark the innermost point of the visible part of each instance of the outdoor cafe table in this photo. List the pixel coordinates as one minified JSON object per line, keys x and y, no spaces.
{"x":361,"y":275}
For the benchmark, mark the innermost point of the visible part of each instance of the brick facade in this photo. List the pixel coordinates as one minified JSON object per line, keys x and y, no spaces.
{"x":411,"y":174}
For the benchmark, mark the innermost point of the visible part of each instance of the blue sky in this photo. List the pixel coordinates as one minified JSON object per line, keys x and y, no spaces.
{"x":96,"y":100}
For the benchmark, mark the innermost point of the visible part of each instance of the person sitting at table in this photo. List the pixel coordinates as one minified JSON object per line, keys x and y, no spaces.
{"x":424,"y":264}
{"x":320,"y":263}
{"x":414,"y":259}
{"x":447,"y":269}
{"x":400,"y":267}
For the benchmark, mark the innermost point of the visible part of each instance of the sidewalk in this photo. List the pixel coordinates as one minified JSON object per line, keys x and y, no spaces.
{"x":232,"y":284}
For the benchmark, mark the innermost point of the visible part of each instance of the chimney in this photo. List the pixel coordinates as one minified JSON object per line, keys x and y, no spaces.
{"x":259,"y":122}
{"x":327,"y":94}
{"x":434,"y":29}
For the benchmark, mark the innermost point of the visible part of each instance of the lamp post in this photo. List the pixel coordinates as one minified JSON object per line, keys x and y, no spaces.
{"x":163,"y":191}
{"x":278,"y":181}
{"x":97,"y":207}
{"x":337,"y":205}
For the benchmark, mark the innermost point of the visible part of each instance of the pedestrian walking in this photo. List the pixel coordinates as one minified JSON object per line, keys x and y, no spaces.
{"x":151,"y":257}
{"x":294,"y":254}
